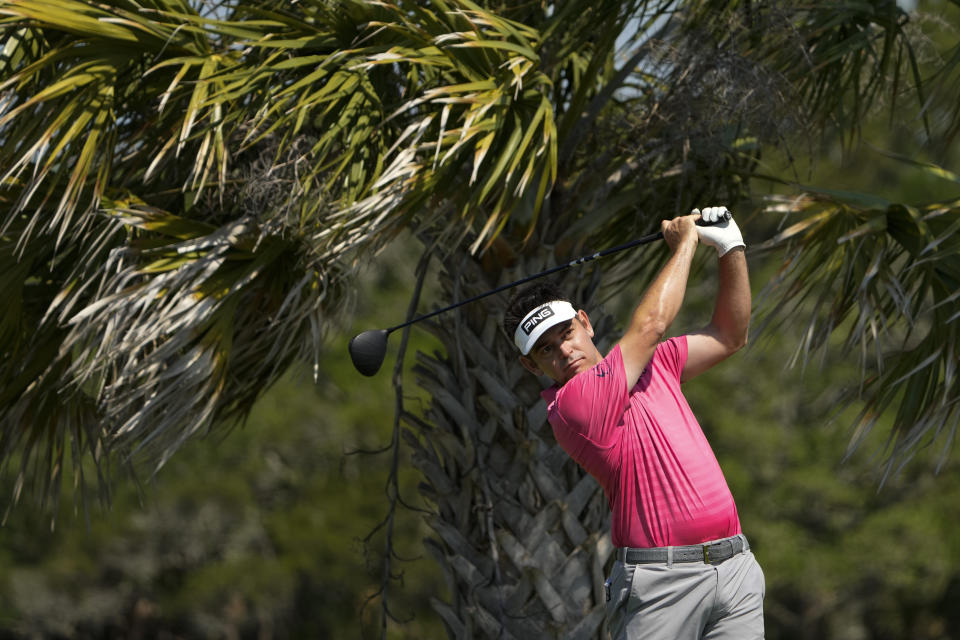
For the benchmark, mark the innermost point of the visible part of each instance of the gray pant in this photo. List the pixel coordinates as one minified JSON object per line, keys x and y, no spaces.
{"x":687,"y":601}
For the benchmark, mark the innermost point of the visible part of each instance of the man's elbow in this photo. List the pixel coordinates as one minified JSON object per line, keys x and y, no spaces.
{"x":646,"y":332}
{"x":730,"y":337}
{"x":653,"y":328}
{"x":736,"y":341}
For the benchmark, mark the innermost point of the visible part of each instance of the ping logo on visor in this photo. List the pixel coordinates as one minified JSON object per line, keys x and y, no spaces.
{"x":536,"y":323}
{"x":531,"y":321}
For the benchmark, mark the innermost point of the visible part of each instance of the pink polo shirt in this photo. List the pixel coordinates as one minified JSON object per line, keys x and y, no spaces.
{"x":646,"y":449}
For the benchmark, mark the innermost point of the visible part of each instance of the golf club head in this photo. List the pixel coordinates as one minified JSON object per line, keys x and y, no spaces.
{"x":367,"y":351}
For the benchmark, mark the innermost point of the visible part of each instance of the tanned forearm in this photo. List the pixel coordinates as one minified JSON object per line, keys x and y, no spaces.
{"x":727,"y":331}
{"x":659,"y":305}
{"x":731,"y":314}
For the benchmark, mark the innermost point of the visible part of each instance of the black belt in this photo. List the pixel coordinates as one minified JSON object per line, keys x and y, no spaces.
{"x":709,"y":552}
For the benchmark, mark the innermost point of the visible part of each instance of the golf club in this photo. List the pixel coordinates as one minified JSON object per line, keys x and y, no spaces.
{"x":368,"y":349}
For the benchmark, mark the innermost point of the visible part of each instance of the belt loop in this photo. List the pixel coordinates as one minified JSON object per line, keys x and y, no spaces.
{"x":670,"y":557}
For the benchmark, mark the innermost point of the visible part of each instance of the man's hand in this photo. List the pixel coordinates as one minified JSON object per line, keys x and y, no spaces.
{"x":723,"y":233}
{"x":680,"y":230}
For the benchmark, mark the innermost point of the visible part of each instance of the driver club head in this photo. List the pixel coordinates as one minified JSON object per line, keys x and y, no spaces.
{"x":368,"y":349}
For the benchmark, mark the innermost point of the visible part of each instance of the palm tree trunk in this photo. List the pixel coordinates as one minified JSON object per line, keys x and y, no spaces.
{"x":522,"y":533}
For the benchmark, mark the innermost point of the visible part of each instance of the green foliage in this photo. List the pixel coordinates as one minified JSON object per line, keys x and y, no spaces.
{"x":188,"y":192}
{"x":886,"y":275}
{"x":261,"y":531}
{"x":188,"y":187}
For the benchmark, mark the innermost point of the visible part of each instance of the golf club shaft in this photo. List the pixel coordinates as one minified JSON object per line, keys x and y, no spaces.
{"x":653,"y":237}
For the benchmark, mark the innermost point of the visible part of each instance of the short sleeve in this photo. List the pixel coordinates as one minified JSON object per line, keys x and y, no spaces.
{"x":671,"y":356}
{"x":590,"y":406}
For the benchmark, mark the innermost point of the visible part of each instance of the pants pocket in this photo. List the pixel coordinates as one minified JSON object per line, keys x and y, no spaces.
{"x":620,"y":583}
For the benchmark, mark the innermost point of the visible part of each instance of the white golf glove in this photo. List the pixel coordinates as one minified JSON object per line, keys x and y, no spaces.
{"x":723,"y":233}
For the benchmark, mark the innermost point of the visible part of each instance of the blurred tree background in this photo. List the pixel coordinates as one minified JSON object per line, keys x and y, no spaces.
{"x":260,"y":532}
{"x":263,"y":533}
{"x":272,"y":529}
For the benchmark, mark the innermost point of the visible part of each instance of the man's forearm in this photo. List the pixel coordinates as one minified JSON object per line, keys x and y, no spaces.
{"x":731,"y":314}
{"x":657,"y":309}
{"x":727,"y":331}
{"x":662,"y":301}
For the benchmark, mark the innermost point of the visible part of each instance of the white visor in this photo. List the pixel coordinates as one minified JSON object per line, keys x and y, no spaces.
{"x":536,"y":323}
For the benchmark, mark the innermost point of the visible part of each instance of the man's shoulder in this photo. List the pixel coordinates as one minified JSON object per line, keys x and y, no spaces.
{"x":669,"y":355}
{"x":587,"y":386}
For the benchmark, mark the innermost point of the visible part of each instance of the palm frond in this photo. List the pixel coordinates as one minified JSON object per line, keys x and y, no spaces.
{"x":186,"y":191}
{"x":844,"y":60}
{"x":885,"y":276}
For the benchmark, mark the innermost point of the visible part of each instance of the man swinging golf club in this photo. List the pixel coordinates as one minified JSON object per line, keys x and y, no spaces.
{"x":683,"y":567}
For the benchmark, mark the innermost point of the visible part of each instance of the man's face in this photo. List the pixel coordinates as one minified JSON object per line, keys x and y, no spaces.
{"x":564,"y":350}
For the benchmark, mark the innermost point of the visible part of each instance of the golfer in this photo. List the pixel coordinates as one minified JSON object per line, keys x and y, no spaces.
{"x":683,"y":567}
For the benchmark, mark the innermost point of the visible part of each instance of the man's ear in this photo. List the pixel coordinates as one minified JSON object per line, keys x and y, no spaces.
{"x":585,"y":321}
{"x":531,"y":366}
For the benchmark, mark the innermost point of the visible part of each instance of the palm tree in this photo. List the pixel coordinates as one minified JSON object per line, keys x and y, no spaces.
{"x":188,"y":188}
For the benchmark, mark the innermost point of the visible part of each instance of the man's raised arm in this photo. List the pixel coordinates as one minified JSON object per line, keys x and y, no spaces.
{"x":727,"y":331}
{"x":662,"y":300}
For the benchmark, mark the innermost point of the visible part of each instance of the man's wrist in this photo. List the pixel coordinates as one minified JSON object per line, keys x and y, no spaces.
{"x":732,"y":251}
{"x":689,"y":241}
{"x":723,"y":252}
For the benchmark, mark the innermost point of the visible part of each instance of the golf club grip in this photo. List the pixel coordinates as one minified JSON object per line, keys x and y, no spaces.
{"x":647,"y":239}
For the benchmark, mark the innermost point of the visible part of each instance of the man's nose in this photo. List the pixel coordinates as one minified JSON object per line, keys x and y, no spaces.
{"x":566,"y":348}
